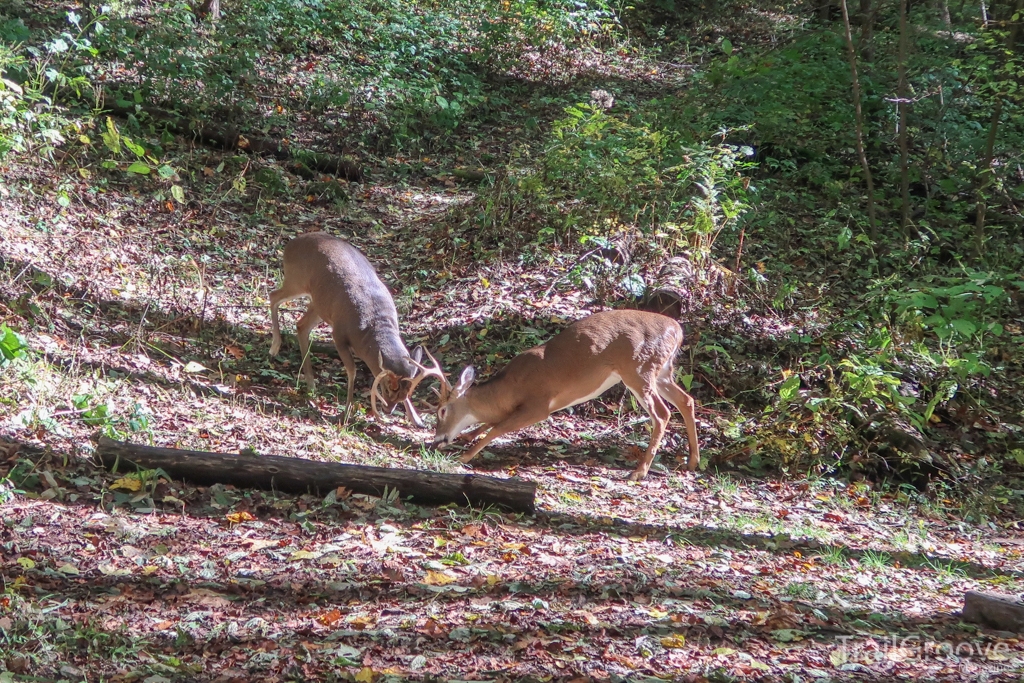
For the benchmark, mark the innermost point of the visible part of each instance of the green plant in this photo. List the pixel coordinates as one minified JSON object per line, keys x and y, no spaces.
{"x":802,"y":590}
{"x":607,"y":170}
{"x":875,"y":559}
{"x":833,"y":555}
{"x":946,"y":570}
{"x":141,"y":161}
{"x":34,"y":117}
{"x":958,"y":308}
{"x":13,"y":346}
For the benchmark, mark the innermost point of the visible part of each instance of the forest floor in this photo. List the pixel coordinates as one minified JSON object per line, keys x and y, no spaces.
{"x":149,"y":319}
{"x":681,"y":574}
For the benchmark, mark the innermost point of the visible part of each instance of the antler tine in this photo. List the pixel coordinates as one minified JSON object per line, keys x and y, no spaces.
{"x":426,"y":372}
{"x":374,"y":390}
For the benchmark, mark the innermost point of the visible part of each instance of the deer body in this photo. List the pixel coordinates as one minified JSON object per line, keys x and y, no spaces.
{"x":582,"y":362}
{"x":345,"y":291}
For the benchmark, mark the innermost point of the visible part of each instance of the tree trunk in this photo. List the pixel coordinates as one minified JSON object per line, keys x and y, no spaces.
{"x":903,"y":97}
{"x":985,"y":173}
{"x":298,"y":475}
{"x":944,"y":13}
{"x":859,"y":121}
{"x":824,"y":11}
{"x":867,"y":31}
{"x":209,"y":8}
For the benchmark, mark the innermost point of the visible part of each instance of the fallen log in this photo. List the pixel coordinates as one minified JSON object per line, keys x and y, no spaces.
{"x":305,"y":163}
{"x":298,"y":475}
{"x":1004,"y":612}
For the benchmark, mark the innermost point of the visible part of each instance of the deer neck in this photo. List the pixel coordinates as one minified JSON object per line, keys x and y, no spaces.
{"x":392,"y":352}
{"x":494,"y":400}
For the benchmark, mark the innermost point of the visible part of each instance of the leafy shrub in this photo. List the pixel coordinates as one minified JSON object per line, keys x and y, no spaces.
{"x":958,"y":308}
{"x":603,"y":172}
{"x":399,"y":71}
{"x":37,"y":77}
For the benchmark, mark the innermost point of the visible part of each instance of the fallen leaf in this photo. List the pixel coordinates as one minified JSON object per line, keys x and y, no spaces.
{"x":361,"y":622}
{"x":328,"y":618}
{"x":674,"y":641}
{"x":239,"y":517}
{"x":261,"y":543}
{"x":129,"y":482}
{"x":434,"y":578}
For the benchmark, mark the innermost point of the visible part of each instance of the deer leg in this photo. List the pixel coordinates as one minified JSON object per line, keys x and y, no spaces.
{"x":305,"y":325}
{"x":685,"y":404}
{"x":468,"y":437}
{"x":278,"y":297}
{"x":646,"y":391}
{"x":522,"y":417}
{"x":350,"y":371}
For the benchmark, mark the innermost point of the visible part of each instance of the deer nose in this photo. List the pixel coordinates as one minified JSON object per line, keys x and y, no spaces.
{"x":439,"y":441}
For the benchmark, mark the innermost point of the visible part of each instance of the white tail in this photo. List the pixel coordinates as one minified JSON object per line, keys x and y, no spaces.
{"x":345,"y":291}
{"x":588,"y":357}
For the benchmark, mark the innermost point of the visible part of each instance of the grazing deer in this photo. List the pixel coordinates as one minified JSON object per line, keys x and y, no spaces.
{"x":636,"y":348}
{"x":345,"y":291}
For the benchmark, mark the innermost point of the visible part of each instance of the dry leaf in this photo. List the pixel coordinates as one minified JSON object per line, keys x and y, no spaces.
{"x":674,"y":641}
{"x":438,"y":578}
{"x":328,"y":618}
{"x":129,"y":482}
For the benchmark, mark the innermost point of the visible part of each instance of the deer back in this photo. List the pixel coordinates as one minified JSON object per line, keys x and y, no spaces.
{"x":346,"y":291}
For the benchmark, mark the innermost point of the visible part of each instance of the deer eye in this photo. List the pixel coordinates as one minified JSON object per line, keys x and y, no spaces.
{"x":442,"y":412}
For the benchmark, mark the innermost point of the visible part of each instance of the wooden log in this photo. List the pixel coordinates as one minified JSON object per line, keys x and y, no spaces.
{"x":303,"y":162}
{"x":298,"y":475}
{"x":1004,"y":612}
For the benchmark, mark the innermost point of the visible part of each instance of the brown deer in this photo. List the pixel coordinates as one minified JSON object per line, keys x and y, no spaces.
{"x":636,"y":348}
{"x":344,"y":290}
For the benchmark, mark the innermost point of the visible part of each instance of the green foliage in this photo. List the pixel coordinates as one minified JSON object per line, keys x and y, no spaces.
{"x":402,"y":73}
{"x":141,"y":161}
{"x":603,"y":173}
{"x":608,"y":169}
{"x":960,"y":308}
{"x":38,"y":76}
{"x":12,"y":346}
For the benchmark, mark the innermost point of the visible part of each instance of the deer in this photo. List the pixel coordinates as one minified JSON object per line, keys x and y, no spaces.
{"x":345,"y":290}
{"x":580,"y":363}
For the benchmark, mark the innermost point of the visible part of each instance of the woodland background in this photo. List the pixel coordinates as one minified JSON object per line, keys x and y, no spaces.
{"x":828,"y":196}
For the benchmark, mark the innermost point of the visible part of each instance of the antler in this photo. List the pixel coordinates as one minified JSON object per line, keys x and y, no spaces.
{"x":375,"y":389}
{"x":435,"y":371}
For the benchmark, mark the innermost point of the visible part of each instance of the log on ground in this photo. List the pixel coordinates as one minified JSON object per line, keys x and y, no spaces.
{"x":298,"y":475}
{"x":305,"y":163}
{"x":1004,"y":612}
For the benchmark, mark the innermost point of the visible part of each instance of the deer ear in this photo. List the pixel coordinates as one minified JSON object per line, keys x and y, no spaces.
{"x":465,"y":379}
{"x":417,"y":354}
